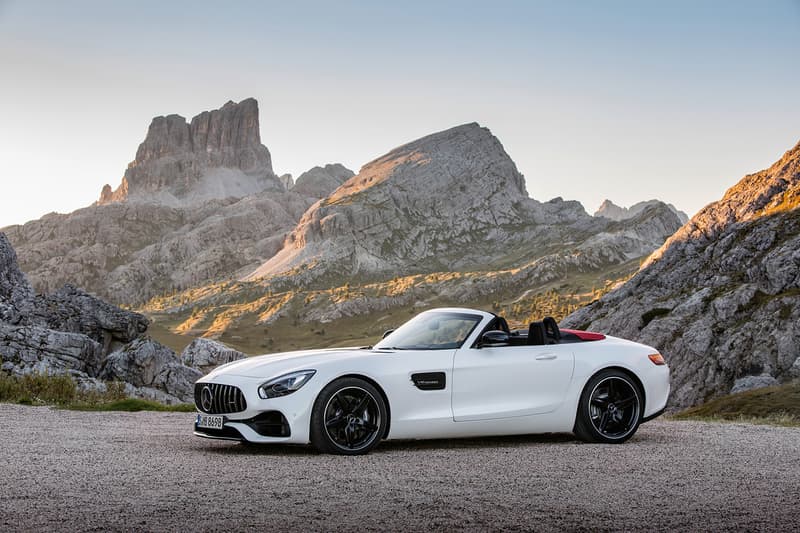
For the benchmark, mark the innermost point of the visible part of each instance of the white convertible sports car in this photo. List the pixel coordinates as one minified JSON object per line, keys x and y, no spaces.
{"x":445,"y":373}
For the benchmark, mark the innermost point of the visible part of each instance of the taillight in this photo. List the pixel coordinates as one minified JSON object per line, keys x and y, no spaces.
{"x":657,"y":359}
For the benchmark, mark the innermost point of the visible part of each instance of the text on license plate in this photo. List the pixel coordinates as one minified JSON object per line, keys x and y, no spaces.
{"x":209,"y":421}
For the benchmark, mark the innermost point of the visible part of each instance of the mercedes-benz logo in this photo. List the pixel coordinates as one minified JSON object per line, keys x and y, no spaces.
{"x":206,"y":399}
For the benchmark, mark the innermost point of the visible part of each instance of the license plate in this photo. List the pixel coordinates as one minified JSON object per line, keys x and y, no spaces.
{"x":209,"y":421}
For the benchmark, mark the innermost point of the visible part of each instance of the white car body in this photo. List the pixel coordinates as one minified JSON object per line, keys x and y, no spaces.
{"x":487,"y":390}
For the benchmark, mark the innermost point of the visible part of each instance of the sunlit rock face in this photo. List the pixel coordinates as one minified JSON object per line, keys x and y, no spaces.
{"x":721,"y":298}
{"x":447,"y":199}
{"x":217,"y":155}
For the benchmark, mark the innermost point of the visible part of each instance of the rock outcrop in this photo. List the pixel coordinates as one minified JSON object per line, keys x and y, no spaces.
{"x":321,"y":181}
{"x":286,"y":180}
{"x":721,"y":298}
{"x":72,"y":332}
{"x":610,"y":210}
{"x":217,"y":155}
{"x":207,"y":354}
{"x":144,"y":363}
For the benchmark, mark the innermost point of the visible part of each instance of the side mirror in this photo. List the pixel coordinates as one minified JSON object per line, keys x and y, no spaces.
{"x":387,"y":333}
{"x":494,"y":338}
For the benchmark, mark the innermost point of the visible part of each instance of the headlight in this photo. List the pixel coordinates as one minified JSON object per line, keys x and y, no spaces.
{"x":286,"y":384}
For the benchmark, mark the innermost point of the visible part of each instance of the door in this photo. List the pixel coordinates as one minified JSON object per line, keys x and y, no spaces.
{"x":509,"y":381}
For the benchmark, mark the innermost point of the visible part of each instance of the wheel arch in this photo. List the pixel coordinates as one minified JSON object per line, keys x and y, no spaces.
{"x":628,"y":372}
{"x":377,"y":385}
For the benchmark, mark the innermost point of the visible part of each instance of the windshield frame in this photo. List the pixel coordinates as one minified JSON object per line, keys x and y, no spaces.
{"x":397,"y":344}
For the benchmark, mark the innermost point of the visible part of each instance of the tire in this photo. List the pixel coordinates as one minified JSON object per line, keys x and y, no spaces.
{"x":610,"y":408}
{"x":349,"y":418}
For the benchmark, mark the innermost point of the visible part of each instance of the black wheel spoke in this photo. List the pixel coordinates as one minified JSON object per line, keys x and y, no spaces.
{"x":600,"y":402}
{"x":603,"y":422}
{"x":334,"y":422}
{"x":360,"y":405}
{"x":338,"y":401}
{"x":625,"y":402}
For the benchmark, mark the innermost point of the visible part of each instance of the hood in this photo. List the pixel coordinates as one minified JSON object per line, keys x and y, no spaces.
{"x":273,"y":365}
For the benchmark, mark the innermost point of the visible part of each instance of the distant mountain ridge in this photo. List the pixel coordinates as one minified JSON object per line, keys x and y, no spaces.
{"x":450,"y":201}
{"x":609,"y":209}
{"x":721,"y":298}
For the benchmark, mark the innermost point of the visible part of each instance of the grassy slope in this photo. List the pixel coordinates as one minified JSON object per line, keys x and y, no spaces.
{"x":246,"y":332}
{"x":160,"y":333}
{"x":774,"y":405}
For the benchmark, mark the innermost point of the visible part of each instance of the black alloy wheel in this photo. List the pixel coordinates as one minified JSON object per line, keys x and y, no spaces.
{"x":610,"y":408}
{"x":349,"y":418}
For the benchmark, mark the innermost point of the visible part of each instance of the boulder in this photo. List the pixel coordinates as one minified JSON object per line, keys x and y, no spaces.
{"x":74,"y":310}
{"x":146,"y":363}
{"x":207,"y":354}
{"x":25,"y":348}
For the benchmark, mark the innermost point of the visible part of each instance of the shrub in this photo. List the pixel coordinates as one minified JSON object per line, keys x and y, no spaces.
{"x":62,"y":391}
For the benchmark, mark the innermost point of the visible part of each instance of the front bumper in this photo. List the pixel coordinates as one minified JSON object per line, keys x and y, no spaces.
{"x":269,"y":424}
{"x":278,"y":420}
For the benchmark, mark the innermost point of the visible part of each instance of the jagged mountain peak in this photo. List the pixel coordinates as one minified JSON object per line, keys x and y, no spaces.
{"x":610,"y":210}
{"x":217,"y":155}
{"x":441,"y":149}
{"x":411,"y":206}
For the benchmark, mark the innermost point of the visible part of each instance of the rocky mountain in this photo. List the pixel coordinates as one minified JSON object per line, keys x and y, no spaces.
{"x":442,"y":220}
{"x":71,"y":332}
{"x":446,"y":201}
{"x":215,"y":156}
{"x":609,"y":209}
{"x":183,"y":216}
{"x":130,"y":251}
{"x":721,"y":298}
{"x":321,"y":181}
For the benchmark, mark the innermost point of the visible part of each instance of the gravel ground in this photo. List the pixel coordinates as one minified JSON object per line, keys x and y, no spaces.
{"x":75,"y":471}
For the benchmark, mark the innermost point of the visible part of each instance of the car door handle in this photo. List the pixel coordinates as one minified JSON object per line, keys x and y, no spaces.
{"x":546,"y":357}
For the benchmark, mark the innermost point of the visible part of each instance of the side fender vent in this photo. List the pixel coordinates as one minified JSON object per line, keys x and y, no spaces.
{"x":429,"y":380}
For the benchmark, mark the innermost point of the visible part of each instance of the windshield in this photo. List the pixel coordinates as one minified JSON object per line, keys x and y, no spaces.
{"x":431,"y":331}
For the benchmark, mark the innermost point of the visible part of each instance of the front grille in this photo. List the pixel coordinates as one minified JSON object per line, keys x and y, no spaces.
{"x":218,"y":399}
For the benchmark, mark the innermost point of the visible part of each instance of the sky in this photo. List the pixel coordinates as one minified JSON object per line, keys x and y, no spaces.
{"x":627,"y":100}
